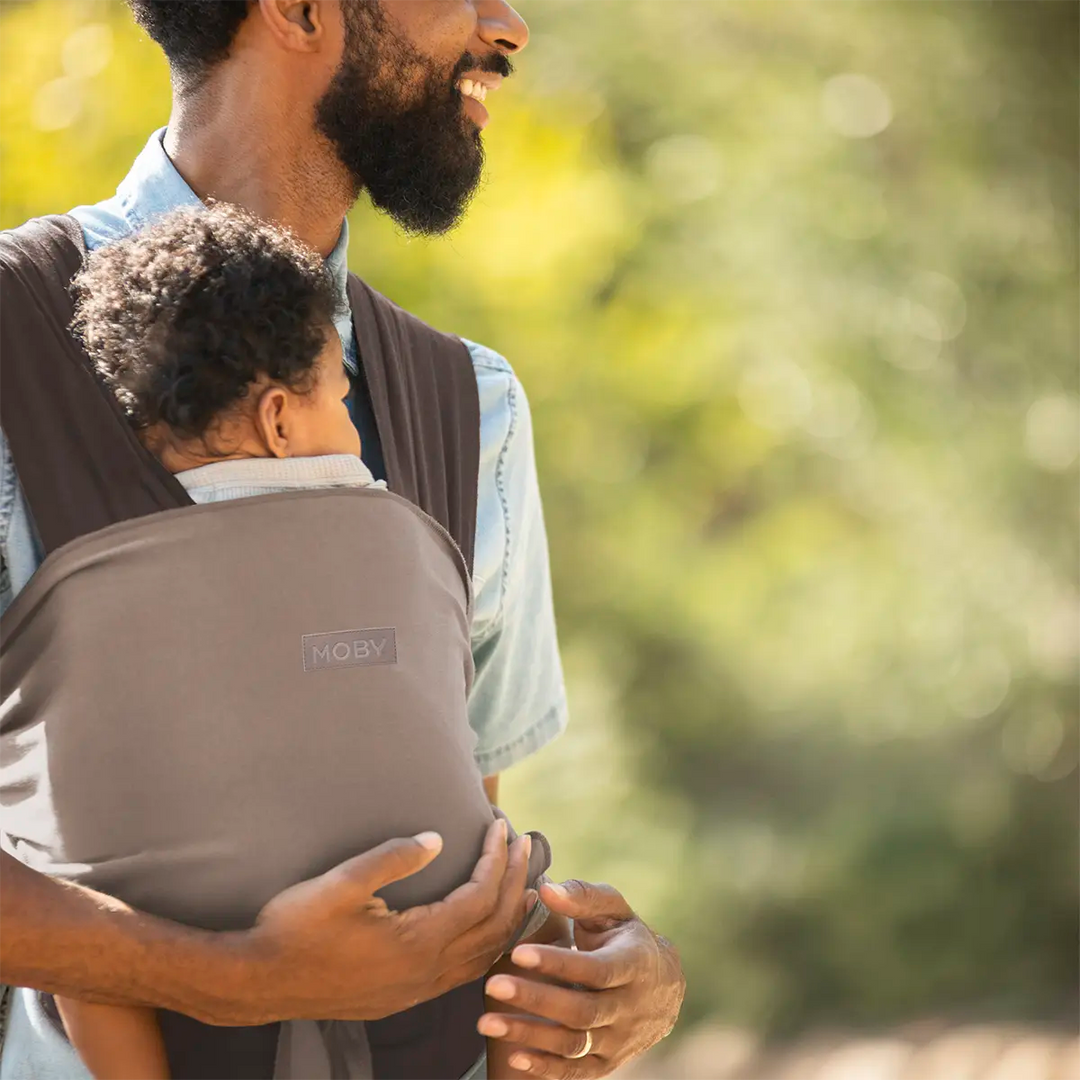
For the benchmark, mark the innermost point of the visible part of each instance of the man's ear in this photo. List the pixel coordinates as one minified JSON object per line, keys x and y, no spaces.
{"x":273,"y":418}
{"x":296,"y":25}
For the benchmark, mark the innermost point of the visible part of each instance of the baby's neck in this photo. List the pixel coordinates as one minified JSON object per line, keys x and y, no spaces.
{"x":179,"y":456}
{"x":178,"y":461}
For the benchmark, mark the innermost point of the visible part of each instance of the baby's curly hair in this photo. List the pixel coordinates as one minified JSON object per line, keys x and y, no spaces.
{"x":181,"y":318}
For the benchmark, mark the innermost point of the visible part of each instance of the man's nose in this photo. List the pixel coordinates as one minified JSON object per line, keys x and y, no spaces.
{"x":501,"y":26}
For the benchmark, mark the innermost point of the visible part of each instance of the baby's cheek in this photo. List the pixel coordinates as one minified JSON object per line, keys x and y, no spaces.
{"x":350,"y":437}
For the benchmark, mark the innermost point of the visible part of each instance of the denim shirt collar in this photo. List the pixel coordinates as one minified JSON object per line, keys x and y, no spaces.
{"x":154,"y":187}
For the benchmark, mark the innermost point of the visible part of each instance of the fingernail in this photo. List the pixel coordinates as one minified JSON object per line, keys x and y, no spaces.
{"x":430,"y":840}
{"x":501,"y":989}
{"x":492,"y":1026}
{"x":502,"y":827}
{"x":527,"y":844}
{"x":520,"y":1062}
{"x":558,"y":890}
{"x":525,"y":957}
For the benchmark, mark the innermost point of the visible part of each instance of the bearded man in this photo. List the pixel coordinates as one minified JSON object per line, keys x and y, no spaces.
{"x":292,"y":108}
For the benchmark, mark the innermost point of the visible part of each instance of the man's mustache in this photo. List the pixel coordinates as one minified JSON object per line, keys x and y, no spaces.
{"x":497,"y":63}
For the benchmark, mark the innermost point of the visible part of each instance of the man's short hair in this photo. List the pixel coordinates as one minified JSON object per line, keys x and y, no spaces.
{"x":193,"y":34}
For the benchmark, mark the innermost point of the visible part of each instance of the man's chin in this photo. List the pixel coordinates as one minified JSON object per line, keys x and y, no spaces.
{"x":426,"y":223}
{"x":432,"y":212}
{"x":422,"y":179}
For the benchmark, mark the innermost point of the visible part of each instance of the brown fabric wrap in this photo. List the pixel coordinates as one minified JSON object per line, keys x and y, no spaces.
{"x":82,"y":470}
{"x":191,"y":756}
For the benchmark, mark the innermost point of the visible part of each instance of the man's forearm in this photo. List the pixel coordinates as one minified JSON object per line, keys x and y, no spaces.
{"x":65,"y":939}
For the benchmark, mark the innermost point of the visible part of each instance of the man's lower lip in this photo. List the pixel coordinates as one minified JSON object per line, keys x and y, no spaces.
{"x":476,"y":112}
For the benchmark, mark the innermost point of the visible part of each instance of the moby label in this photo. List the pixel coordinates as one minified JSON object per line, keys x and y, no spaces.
{"x":350,"y":648}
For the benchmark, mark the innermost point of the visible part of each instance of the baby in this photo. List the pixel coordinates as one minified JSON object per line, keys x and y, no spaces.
{"x":215,"y":333}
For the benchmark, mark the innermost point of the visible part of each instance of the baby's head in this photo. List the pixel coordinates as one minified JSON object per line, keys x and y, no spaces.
{"x":215,"y":332}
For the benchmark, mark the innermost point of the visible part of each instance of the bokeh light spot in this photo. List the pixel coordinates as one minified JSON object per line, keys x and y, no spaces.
{"x":686,"y":168}
{"x":1052,"y":432}
{"x":57,"y":104}
{"x":855,"y":106}
{"x":938,"y":306}
{"x":776,"y":394}
{"x":1029,"y":743}
{"x":979,"y":684}
{"x":87,"y":51}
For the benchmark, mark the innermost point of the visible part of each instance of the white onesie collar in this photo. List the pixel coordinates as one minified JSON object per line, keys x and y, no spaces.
{"x":326,"y":470}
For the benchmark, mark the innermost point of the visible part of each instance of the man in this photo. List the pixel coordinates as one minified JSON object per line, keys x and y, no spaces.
{"x":291,"y":109}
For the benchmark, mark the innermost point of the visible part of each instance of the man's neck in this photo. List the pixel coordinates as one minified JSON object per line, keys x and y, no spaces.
{"x":282,"y":172}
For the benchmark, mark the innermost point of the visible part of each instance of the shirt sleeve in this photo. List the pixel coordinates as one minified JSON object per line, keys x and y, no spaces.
{"x":518,"y":699}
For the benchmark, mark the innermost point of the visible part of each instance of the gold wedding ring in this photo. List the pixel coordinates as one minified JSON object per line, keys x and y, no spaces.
{"x":585,"y":1049}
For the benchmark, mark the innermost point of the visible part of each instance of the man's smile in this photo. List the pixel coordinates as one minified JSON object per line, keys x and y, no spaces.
{"x":474,"y":87}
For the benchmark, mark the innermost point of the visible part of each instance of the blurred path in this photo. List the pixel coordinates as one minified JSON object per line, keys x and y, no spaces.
{"x":929,"y":1052}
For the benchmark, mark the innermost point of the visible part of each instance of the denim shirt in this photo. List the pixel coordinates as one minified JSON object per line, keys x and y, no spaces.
{"x":518,"y":701}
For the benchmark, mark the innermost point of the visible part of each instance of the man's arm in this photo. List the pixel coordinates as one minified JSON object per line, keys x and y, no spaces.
{"x":629,"y":981}
{"x":324,"y":949}
{"x":66,"y":939}
{"x":518,"y":702}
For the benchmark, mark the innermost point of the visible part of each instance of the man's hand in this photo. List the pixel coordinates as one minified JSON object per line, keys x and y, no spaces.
{"x":329,"y":949}
{"x":324,"y":949}
{"x":624,"y":987}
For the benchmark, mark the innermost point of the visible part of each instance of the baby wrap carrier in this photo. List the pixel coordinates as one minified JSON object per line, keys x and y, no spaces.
{"x":204,"y":705}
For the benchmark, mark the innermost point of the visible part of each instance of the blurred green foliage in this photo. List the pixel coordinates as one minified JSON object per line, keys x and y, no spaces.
{"x":793,"y":290}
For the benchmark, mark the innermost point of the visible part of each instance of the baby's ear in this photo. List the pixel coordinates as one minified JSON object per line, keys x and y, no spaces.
{"x":275,"y":415}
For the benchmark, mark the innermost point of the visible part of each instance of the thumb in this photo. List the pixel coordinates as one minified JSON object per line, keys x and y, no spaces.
{"x":595,"y":907}
{"x":391,"y":861}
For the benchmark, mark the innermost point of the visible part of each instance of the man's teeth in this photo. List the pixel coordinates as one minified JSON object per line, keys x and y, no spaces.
{"x":472,"y":89}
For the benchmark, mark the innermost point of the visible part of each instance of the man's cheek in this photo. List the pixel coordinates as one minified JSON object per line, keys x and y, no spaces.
{"x":405,"y":85}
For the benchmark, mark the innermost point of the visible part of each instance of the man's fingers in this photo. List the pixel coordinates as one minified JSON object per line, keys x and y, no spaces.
{"x":509,"y":909}
{"x":487,"y":940}
{"x":582,"y":1010}
{"x":596,"y":907}
{"x":474,"y":901}
{"x":601,"y":970}
{"x":538,"y":1035}
{"x":389,"y":862}
{"x":474,"y":924}
{"x":550,"y":1067}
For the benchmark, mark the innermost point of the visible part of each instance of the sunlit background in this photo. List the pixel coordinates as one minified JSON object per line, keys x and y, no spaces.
{"x":792,"y":288}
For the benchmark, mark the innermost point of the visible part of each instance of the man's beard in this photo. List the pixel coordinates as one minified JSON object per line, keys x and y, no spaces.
{"x":396,"y":123}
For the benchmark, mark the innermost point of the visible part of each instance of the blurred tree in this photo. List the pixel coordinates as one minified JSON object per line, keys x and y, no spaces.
{"x":793,"y":291}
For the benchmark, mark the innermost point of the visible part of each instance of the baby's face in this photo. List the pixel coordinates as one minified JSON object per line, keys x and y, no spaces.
{"x":321,"y":424}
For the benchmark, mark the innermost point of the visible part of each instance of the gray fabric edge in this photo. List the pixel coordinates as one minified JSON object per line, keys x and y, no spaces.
{"x":479,"y":1070}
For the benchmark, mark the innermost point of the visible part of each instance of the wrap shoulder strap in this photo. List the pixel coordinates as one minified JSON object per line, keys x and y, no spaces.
{"x":427,"y":410}
{"x":80,"y":465}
